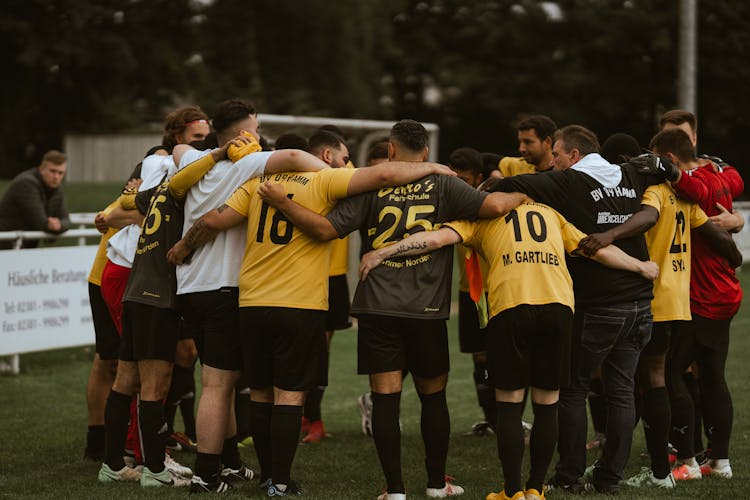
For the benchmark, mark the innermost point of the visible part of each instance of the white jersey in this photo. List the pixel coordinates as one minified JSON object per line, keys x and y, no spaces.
{"x":121,"y":247}
{"x":216,"y":264}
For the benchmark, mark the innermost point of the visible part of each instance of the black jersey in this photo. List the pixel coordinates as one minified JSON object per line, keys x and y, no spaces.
{"x":412,"y":287}
{"x":152,"y":280}
{"x":594,"y":208}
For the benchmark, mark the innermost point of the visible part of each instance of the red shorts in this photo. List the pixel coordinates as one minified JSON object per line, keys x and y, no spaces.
{"x":114,"y":281}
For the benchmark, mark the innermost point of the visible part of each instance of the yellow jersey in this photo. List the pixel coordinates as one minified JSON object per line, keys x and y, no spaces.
{"x":668,"y":243}
{"x":510,"y":166}
{"x":282,"y":266}
{"x":525,"y":251}
{"x":100,"y":259}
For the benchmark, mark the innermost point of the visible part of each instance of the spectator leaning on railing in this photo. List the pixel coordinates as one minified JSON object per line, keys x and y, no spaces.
{"x":34,"y":200}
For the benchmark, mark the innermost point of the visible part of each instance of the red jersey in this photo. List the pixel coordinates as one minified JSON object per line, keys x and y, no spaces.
{"x":715,"y":291}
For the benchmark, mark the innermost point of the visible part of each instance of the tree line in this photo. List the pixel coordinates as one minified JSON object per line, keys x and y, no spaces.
{"x":472,"y":66}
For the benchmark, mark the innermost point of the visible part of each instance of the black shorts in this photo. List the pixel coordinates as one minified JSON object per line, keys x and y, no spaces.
{"x":471,"y":338}
{"x":212,"y":319}
{"x":105,"y":332}
{"x":148,"y":332}
{"x":530,"y":346}
{"x":390,"y":343}
{"x":283,"y":347}
{"x":660,"y":335}
{"x":339,"y":304}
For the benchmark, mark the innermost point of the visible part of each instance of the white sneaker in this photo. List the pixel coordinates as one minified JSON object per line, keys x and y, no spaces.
{"x":177,"y":468}
{"x":720,"y":468}
{"x":449,"y":490}
{"x":107,"y":475}
{"x":687,"y":471}
{"x":164,"y":478}
{"x":646,"y":478}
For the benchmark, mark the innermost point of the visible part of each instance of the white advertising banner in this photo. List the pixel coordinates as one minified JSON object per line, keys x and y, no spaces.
{"x":44,"y":299}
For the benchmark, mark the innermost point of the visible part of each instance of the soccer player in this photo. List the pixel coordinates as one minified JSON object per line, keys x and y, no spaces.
{"x":535,"y":138}
{"x":669,"y":222}
{"x":284,"y":296}
{"x":612,"y":322}
{"x":330,"y":148}
{"x":531,"y":316}
{"x":397,"y":334}
{"x":467,"y":163}
{"x":150,"y":327}
{"x":207,"y":295}
{"x":715,"y":297}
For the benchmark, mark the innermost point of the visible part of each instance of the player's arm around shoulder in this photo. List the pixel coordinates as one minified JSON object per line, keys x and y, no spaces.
{"x":393,"y":173}
{"x":498,"y":204}
{"x":415,"y":244}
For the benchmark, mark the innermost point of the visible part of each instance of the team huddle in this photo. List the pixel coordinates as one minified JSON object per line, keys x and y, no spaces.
{"x":581,"y":267}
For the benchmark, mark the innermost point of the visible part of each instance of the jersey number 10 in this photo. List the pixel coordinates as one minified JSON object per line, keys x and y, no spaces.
{"x":276,"y":236}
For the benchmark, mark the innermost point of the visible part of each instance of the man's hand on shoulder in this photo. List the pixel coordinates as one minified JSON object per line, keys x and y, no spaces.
{"x":657,"y":166}
{"x":272,"y":193}
{"x":53,"y":224}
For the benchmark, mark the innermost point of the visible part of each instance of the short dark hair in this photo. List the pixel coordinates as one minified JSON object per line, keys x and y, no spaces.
{"x":619,"y":148}
{"x":410,"y":134}
{"x":490,"y":163}
{"x":674,"y":141}
{"x":55,"y":157}
{"x":291,"y":141}
{"x":578,"y":137}
{"x":543,"y":125}
{"x":678,"y":117}
{"x":177,"y":121}
{"x":334,"y":129}
{"x":230,"y":112}
{"x":468,"y":159}
{"x":377,"y":151}
{"x":323,"y":139}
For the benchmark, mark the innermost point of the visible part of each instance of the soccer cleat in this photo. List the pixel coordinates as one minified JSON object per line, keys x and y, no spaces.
{"x":481,"y":429}
{"x":533,"y":494}
{"x":392,"y":496}
{"x":304,"y":428}
{"x":179,"y":441}
{"x":714,"y":467}
{"x":292,"y":489}
{"x":449,"y":490}
{"x":588,"y":474}
{"x":315,"y":433}
{"x":646,"y":478}
{"x":364,"y":402}
{"x":685,"y":472}
{"x":164,"y":478}
{"x":198,"y":485}
{"x":232,"y":476}
{"x":519,"y":495}
{"x":177,"y":468}
{"x":107,"y":475}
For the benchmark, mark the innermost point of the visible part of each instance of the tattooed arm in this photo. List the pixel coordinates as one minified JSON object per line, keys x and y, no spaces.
{"x":204,"y":230}
{"x":416,"y":244}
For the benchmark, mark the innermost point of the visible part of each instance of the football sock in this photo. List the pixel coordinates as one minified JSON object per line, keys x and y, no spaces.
{"x":510,"y":444}
{"x":542,"y":443}
{"x":681,"y":432}
{"x":242,"y":413}
{"x":285,"y":425}
{"x":436,"y":427}
{"x":207,"y":465}
{"x":260,"y":429}
{"x":95,"y":440}
{"x":230,"y":455}
{"x":153,"y":427}
{"x":691,"y":383}
{"x":312,"y":403}
{"x":656,"y":418}
{"x":387,"y":436}
{"x":485,"y":391}
{"x":116,"y":418}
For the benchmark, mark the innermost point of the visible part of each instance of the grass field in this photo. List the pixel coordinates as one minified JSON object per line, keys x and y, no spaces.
{"x":43,"y":426}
